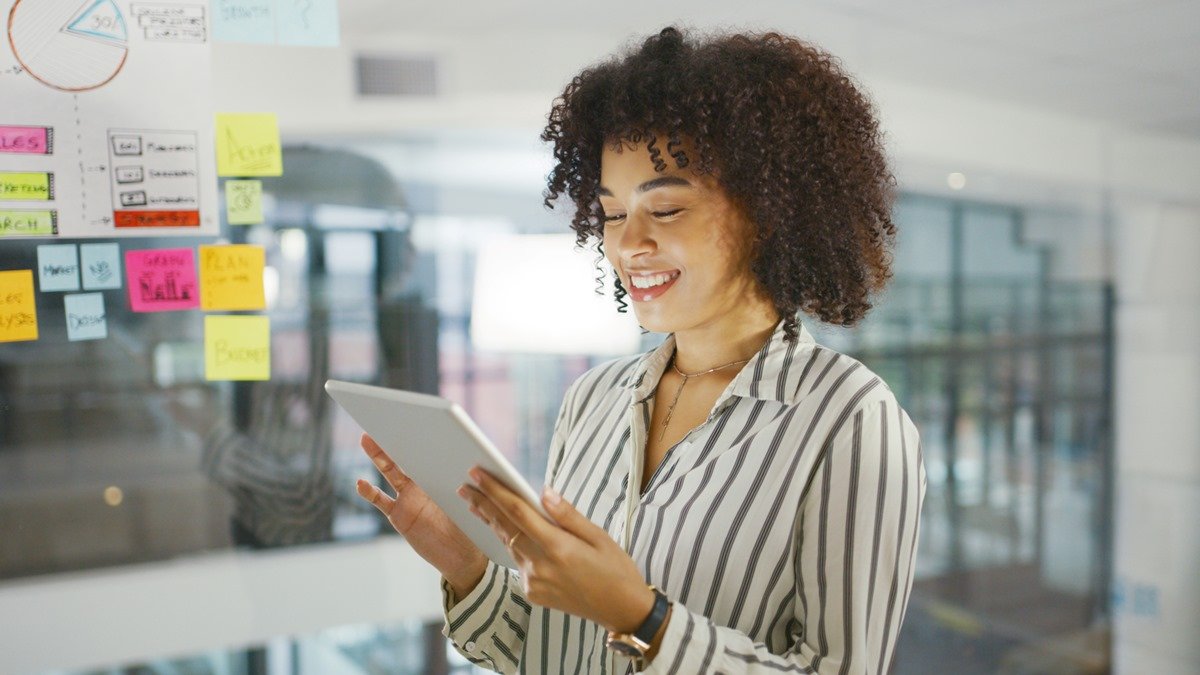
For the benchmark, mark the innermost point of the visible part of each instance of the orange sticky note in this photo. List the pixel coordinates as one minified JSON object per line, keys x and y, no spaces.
{"x":18,"y":307}
{"x":231,"y":277}
{"x":237,"y":347}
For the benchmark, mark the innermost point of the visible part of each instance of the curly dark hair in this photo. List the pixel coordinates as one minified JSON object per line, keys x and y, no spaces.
{"x":784,"y":131}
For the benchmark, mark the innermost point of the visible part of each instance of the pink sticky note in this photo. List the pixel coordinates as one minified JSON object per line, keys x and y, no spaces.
{"x":162,"y":280}
{"x":26,"y":140}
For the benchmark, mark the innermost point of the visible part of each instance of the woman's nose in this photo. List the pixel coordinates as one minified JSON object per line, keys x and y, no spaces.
{"x":636,"y":237}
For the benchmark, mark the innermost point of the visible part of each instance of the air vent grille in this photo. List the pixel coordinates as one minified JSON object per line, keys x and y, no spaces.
{"x":396,"y":76}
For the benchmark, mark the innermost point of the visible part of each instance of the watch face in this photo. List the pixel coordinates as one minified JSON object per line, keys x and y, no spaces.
{"x":618,"y":644}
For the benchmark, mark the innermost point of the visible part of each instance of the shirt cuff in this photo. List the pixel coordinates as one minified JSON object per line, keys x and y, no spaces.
{"x":469,"y":616}
{"x":687,"y":645}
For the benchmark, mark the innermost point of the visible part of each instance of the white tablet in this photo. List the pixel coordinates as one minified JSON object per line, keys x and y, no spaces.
{"x":435,"y":443}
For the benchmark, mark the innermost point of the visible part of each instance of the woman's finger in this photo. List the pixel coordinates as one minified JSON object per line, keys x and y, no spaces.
{"x":485,"y":510}
{"x":515,"y":509}
{"x":570,"y":519}
{"x":382,"y":461}
{"x":375,"y":496}
{"x":519,"y":539}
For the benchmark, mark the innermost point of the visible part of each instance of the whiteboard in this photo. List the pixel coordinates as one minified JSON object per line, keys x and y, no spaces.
{"x":106,"y":119}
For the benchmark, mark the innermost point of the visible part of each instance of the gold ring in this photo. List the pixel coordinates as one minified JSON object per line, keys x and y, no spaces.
{"x":513,"y":540}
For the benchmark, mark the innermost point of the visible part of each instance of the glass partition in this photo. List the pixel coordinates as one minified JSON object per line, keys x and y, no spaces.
{"x":119,"y":451}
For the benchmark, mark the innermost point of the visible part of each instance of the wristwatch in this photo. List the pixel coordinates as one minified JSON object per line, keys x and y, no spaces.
{"x":636,"y":644}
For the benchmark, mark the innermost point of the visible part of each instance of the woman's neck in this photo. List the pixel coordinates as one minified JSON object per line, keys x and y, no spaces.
{"x":734,"y":338}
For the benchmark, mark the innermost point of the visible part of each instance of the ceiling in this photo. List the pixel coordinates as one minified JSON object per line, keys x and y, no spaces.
{"x":1134,"y":63}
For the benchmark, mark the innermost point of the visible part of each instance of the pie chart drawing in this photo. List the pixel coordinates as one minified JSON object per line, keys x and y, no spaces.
{"x":68,"y":44}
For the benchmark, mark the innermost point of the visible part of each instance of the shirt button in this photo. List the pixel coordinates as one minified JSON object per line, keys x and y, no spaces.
{"x":470,"y":646}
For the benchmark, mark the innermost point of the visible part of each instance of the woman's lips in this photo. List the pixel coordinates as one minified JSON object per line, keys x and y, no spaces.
{"x":648,"y":294}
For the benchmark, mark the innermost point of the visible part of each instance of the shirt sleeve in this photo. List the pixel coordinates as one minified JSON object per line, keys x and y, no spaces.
{"x":488,"y":626}
{"x":856,"y":544}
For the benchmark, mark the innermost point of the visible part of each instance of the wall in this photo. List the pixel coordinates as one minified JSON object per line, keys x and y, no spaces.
{"x":223,"y":600}
{"x":1157,"y":591}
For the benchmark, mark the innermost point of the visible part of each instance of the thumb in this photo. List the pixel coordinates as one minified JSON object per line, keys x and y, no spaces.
{"x":568,"y":517}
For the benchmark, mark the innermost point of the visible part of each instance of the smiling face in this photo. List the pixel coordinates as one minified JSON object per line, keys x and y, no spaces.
{"x":677,"y":243}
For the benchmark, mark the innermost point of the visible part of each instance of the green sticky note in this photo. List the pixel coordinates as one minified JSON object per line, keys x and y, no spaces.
{"x":237,"y":347}
{"x":243,"y":202}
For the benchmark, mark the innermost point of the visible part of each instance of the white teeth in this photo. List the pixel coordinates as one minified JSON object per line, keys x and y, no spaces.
{"x":652,"y":280}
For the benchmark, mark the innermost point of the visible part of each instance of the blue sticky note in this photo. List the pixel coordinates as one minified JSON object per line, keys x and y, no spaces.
{"x":85,"y":316}
{"x":312,"y":23}
{"x":58,"y":267}
{"x":248,"y":21}
{"x":100,"y":265}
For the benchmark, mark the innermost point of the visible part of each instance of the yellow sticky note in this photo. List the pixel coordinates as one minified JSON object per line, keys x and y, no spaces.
{"x":237,"y":347}
{"x":248,"y":145}
{"x":231,"y":277}
{"x":28,"y":186}
{"x":18,"y":307}
{"x":243,"y":202}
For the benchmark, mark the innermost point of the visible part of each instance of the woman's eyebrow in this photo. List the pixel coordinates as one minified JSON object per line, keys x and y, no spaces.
{"x":664,"y":181}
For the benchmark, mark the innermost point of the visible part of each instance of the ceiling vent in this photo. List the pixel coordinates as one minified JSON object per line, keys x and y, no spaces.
{"x":396,"y":75}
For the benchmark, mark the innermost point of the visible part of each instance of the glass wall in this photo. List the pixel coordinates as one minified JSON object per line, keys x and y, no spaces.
{"x":1005,"y":366}
{"x":119,"y":451}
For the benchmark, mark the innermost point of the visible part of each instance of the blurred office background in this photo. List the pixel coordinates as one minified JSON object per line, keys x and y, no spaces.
{"x":1043,"y":330}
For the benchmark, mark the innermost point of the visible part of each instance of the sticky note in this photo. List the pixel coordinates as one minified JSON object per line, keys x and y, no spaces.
{"x":231,"y":277}
{"x":58,"y":267}
{"x":312,"y":23}
{"x":33,"y":186}
{"x":247,"y":21}
{"x":237,"y":347}
{"x":248,"y":145}
{"x":22,"y":223}
{"x":85,"y":316}
{"x":161,"y":280}
{"x":18,"y":307}
{"x":100,"y":265}
{"x":243,"y":202}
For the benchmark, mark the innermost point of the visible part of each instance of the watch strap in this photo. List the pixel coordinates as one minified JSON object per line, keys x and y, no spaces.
{"x":654,"y":621}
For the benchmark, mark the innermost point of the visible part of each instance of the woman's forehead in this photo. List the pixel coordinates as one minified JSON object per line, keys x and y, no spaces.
{"x":627,"y":167}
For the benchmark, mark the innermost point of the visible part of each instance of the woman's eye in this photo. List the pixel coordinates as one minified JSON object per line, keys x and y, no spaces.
{"x":657,"y":214}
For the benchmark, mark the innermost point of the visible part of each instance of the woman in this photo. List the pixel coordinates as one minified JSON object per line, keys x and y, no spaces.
{"x":739,"y":499}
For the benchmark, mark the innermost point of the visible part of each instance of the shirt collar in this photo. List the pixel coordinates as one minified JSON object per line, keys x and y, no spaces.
{"x":762,"y":377}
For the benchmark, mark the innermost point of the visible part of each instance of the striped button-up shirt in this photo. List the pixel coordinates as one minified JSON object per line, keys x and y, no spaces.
{"x":783,"y":528}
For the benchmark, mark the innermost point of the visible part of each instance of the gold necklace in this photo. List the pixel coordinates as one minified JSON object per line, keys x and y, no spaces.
{"x":679,"y":391}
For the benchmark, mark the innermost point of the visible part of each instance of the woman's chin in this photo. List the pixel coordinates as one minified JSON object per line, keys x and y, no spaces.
{"x":654,"y":321}
{"x":647,"y":320}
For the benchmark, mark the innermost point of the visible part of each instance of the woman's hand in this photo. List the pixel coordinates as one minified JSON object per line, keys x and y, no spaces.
{"x":576,"y":568}
{"x":424,"y":524}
